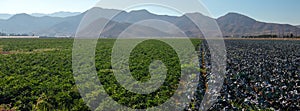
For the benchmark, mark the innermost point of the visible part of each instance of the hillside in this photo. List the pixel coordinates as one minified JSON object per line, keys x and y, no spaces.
{"x":231,"y":24}
{"x":238,"y":25}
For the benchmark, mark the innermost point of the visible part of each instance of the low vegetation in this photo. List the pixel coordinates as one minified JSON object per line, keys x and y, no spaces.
{"x":38,"y":75}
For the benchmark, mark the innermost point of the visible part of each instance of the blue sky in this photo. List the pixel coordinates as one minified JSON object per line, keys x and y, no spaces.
{"x":278,"y":11}
{"x":45,"y":6}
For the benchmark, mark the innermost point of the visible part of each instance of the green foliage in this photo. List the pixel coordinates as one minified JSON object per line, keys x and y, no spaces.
{"x":38,"y":81}
{"x":32,"y":77}
{"x":43,"y":80}
{"x":140,"y":59}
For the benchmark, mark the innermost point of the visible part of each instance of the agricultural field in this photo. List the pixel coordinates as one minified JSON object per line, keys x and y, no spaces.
{"x":36,"y":74}
{"x":261,"y":74}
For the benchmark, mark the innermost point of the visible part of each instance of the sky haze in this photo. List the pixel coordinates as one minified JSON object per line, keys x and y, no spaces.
{"x":276,"y":11}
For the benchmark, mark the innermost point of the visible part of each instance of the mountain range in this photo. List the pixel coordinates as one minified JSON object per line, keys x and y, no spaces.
{"x":4,"y":16}
{"x":66,"y":23}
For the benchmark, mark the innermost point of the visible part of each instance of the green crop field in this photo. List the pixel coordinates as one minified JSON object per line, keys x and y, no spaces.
{"x":36,"y":74}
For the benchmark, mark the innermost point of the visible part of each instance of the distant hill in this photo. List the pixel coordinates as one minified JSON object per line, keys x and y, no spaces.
{"x":231,"y":24}
{"x":234,"y":24}
{"x":24,"y":23}
{"x":56,"y":14}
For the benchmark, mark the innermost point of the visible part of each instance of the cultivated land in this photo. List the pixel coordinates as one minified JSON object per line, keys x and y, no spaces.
{"x":262,"y":38}
{"x":36,"y":74}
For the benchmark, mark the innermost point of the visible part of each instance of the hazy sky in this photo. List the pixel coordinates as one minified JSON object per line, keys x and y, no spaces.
{"x":45,"y":6}
{"x":279,"y":11}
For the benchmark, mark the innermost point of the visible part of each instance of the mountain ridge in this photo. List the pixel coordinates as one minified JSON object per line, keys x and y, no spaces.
{"x":231,"y":24}
{"x":5,"y":16}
